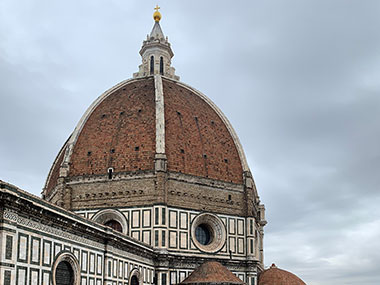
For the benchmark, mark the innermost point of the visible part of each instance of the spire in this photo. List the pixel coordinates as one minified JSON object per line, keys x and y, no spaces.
{"x":156,"y":52}
{"x":156,"y":32}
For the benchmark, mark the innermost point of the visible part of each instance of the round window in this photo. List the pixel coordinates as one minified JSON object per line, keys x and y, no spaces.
{"x":208,"y":232}
{"x":203,"y":234}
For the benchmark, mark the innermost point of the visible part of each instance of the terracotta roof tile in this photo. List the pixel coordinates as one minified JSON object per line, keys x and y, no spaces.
{"x":277,"y":276}
{"x":119,"y":133}
{"x":197,"y":140}
{"x":212,"y":272}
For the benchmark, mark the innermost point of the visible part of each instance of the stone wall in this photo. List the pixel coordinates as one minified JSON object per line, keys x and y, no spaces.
{"x":35,"y":236}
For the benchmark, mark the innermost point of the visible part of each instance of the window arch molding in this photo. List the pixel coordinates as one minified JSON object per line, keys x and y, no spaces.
{"x":104,"y":216}
{"x":68,"y":257}
{"x":135,"y":273}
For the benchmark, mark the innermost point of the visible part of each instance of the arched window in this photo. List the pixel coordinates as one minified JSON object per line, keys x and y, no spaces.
{"x":134,"y":280}
{"x":114,"y":225}
{"x":112,"y":218}
{"x":152,"y":64}
{"x":161,"y":66}
{"x":64,"y":274}
{"x":65,"y":269}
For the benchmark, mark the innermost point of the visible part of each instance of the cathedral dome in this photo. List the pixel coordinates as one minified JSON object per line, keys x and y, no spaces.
{"x":277,"y":276}
{"x":153,"y":139}
{"x":119,"y":132}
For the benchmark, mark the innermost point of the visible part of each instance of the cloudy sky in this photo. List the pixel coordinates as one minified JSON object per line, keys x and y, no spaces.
{"x":299,"y":81}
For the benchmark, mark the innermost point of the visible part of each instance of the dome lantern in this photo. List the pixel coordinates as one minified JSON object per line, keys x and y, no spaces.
{"x":156,"y":53}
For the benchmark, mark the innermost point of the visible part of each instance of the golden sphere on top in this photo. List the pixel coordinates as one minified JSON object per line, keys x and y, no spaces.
{"x":157,"y":15}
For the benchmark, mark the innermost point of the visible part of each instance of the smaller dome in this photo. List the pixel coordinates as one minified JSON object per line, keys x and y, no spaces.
{"x":277,"y":276}
{"x":212,"y":272}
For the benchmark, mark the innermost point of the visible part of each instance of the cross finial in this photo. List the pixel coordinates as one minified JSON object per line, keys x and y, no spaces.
{"x":157,"y":15}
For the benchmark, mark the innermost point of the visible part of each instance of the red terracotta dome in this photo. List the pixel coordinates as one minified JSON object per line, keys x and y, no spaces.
{"x":119,"y":131}
{"x":212,"y":272}
{"x":277,"y":276}
{"x":153,"y":140}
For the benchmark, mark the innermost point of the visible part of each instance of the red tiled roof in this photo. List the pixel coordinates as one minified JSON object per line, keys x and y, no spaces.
{"x":197,"y":140}
{"x":277,"y":276}
{"x":120,"y":133}
{"x":122,"y":123}
{"x":212,"y":272}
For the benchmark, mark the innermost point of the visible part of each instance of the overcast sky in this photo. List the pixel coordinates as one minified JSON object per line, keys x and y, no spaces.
{"x":299,"y":81}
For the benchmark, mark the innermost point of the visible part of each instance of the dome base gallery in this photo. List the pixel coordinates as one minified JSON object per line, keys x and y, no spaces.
{"x":152,"y":183}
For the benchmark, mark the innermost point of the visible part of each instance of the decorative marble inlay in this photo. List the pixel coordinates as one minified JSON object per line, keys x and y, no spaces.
{"x":13,"y":216}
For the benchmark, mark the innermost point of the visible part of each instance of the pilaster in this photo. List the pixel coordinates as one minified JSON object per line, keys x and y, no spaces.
{"x":249,"y":193}
{"x":160,"y":161}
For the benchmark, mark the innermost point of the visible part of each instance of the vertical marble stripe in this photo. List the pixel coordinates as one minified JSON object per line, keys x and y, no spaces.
{"x":160,"y":115}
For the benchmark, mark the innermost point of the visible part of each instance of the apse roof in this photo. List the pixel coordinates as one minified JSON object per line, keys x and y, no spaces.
{"x":274,"y":275}
{"x":212,"y":272}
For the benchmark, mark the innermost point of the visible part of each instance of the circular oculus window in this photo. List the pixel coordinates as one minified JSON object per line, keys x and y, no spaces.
{"x":203,"y":234}
{"x":208,"y":233}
